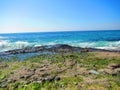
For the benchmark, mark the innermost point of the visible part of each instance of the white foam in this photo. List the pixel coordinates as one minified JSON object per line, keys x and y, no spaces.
{"x":21,"y":44}
{"x":99,"y":45}
{"x":37,"y":45}
{"x":6,"y":45}
{"x":108,"y":48}
{"x":87,"y":44}
{"x":51,"y":43}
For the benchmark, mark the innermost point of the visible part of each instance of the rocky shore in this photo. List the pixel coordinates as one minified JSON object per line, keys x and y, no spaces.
{"x":55,"y":48}
{"x":68,"y":68}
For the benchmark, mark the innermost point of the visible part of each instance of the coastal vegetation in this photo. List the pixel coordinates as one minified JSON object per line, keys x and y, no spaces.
{"x":67,"y":71}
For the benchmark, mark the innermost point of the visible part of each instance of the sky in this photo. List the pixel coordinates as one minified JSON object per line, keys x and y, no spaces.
{"x":58,"y":15}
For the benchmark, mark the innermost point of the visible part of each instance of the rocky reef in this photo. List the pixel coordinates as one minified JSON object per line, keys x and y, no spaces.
{"x":54,"y":48}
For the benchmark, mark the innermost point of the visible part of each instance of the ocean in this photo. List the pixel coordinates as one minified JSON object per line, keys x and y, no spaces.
{"x":109,"y":39}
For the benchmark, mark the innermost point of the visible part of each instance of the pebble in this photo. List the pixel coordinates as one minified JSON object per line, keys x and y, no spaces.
{"x":93,"y":72}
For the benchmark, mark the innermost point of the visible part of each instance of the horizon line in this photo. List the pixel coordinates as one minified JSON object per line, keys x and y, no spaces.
{"x":60,"y":31}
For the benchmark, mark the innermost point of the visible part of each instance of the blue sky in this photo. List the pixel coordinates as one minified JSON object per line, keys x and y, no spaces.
{"x":58,"y":15}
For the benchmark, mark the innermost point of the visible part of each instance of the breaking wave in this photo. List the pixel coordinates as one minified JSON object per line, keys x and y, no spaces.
{"x":7,"y":45}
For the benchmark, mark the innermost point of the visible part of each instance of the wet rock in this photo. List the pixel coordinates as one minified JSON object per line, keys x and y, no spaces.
{"x":51,"y":48}
{"x":64,"y":46}
{"x":57,"y":78}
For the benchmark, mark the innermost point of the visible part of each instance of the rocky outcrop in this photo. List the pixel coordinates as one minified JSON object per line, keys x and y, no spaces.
{"x":52,"y":48}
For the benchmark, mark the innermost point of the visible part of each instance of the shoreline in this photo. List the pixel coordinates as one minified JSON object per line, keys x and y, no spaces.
{"x":70,"y":68}
{"x":55,"y":48}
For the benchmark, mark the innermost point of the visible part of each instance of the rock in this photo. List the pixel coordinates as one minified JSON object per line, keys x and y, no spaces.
{"x":114,"y":74}
{"x":11,"y":73}
{"x":75,"y":83}
{"x":21,"y":77}
{"x":114,"y":66}
{"x":64,"y":46}
{"x":27,"y":82}
{"x":43,"y":80}
{"x":50,"y":79}
{"x":41,"y":70}
{"x":42,"y":66}
{"x":27,"y":76}
{"x":57,"y":78}
{"x":84,"y":50}
{"x":34,"y":70}
{"x":93,"y":72}
{"x":44,"y":75}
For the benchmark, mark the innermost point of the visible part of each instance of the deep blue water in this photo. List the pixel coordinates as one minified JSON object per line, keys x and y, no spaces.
{"x":109,"y":39}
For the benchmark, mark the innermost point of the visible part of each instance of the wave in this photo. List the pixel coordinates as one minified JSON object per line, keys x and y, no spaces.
{"x":115,"y":45}
{"x":109,"y":48}
{"x":1,"y":37}
{"x":7,"y":45}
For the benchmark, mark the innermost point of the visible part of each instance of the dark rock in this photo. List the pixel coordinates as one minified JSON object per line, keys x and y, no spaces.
{"x":57,"y":78}
{"x":41,"y":66}
{"x":11,"y":72}
{"x":55,"y":48}
{"x":114,"y":74}
{"x":42,"y":79}
{"x":34,"y":70}
{"x":42,"y":70}
{"x":22,"y":77}
{"x":44,"y":75}
{"x":63,"y":46}
{"x":115,"y":66}
{"x":27,"y":76}
{"x":27,"y":82}
{"x":50,"y":79}
{"x":84,"y":50}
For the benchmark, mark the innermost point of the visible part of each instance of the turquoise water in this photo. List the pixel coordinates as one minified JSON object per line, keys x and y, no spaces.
{"x":109,"y":39}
